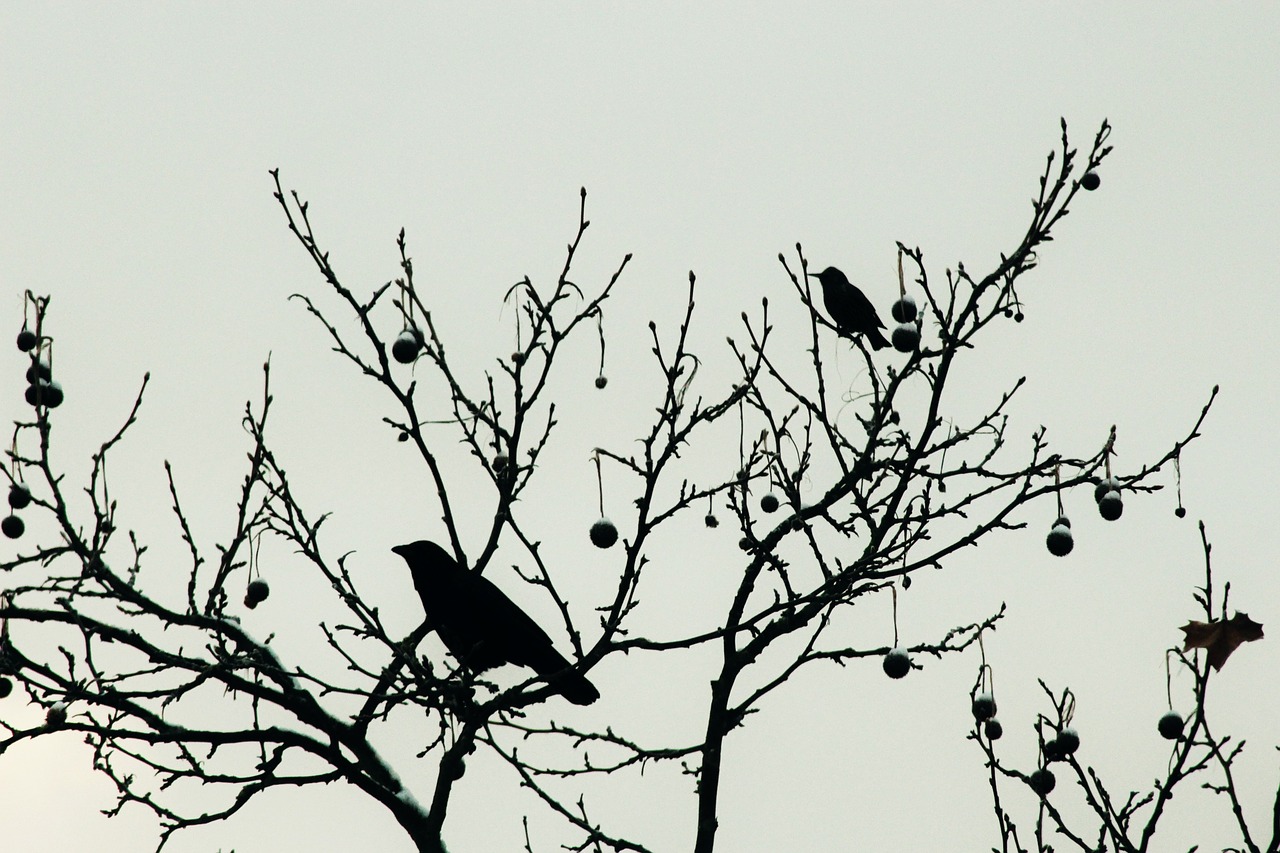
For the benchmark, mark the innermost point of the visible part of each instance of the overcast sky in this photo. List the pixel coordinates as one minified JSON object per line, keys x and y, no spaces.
{"x":136,"y":139}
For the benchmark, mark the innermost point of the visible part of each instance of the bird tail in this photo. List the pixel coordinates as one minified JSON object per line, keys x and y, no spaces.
{"x":876,"y":339}
{"x":551,"y":665}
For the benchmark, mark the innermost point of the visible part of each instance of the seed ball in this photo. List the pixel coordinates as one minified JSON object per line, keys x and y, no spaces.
{"x":1019,"y":317}
{"x":258,"y":591}
{"x":19,"y":495}
{"x":1091,"y":181}
{"x":1170,"y":726}
{"x":31,"y":395}
{"x":984,"y":707}
{"x":1059,"y":540}
{"x":1108,"y":484}
{"x":500,"y":463}
{"x":744,"y":543}
{"x":1063,"y":520}
{"x":1042,"y":781}
{"x":711,"y":521}
{"x":56,"y":715}
{"x":603,"y":533}
{"x":1111,"y":506}
{"x":906,"y":337}
{"x":1180,"y":512}
{"x":12,"y":526}
{"x":53,"y":394}
{"x":1052,"y":751}
{"x":26,"y":340}
{"x":405,"y":347}
{"x":517,"y":358}
{"x":602,"y":381}
{"x":897,"y":663}
{"x":6,"y":687}
{"x":1008,"y":312}
{"x":993,"y":729}
{"x":1068,"y":741}
{"x":769,"y":502}
{"x":904,"y":310}
{"x":39,"y":369}
{"x":906,"y":581}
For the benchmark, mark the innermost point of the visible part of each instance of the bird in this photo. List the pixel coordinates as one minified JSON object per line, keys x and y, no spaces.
{"x":483,"y":628}
{"x":851,"y":311}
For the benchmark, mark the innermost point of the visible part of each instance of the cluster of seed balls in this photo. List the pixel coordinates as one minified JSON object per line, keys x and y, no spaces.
{"x":42,"y":390}
{"x":1110,"y":506}
{"x":1058,"y":748}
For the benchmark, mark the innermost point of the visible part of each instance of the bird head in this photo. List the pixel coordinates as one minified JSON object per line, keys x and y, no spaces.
{"x":829,"y":277}
{"x":422,"y":553}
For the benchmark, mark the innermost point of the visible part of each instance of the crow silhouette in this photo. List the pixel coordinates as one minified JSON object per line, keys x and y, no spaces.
{"x":481,"y":626}
{"x":851,"y":311}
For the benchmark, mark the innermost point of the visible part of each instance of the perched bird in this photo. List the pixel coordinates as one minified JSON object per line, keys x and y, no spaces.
{"x":851,"y":311}
{"x":481,"y":626}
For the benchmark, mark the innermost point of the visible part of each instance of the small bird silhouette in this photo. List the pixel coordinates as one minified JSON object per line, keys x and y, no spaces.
{"x":851,"y":311}
{"x":483,"y":628}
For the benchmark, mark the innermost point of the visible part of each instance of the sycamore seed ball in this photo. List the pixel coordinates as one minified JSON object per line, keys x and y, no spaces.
{"x":993,"y":729}
{"x":602,"y":381}
{"x":897,"y":663}
{"x":984,"y":706}
{"x":1108,"y":484}
{"x":906,"y":337}
{"x":1042,"y":781}
{"x":1059,"y":540}
{"x":56,"y":715}
{"x":12,"y":526}
{"x":1180,"y":512}
{"x":1091,"y":181}
{"x":1068,"y":741}
{"x":19,"y":495}
{"x":1111,"y":506}
{"x":53,"y":394}
{"x":405,"y":347}
{"x":39,"y":369}
{"x":769,"y":502}
{"x":6,"y":687}
{"x":711,"y":521}
{"x":904,"y":310}
{"x":603,"y":533}
{"x":26,"y":340}
{"x":1170,"y":726}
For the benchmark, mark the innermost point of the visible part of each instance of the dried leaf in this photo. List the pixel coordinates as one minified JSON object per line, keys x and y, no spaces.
{"x":1220,"y":637}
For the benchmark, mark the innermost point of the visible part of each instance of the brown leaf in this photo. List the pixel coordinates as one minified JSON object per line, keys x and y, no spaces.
{"x":1220,"y":637}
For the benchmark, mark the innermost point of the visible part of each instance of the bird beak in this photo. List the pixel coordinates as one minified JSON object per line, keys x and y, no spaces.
{"x":811,"y":274}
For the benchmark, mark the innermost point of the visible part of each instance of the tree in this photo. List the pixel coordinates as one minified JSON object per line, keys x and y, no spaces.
{"x":838,"y":495}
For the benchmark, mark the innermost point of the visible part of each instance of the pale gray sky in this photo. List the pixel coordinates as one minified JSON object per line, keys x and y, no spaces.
{"x":136,"y":139}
